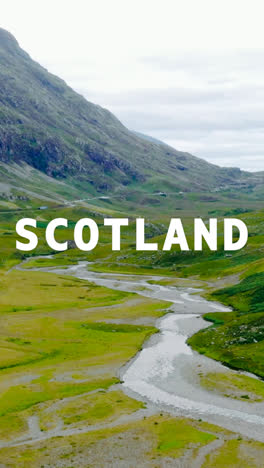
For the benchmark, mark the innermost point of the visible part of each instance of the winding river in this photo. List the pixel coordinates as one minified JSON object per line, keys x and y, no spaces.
{"x":165,"y":373}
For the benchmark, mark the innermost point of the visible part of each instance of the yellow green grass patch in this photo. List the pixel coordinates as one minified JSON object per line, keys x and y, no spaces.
{"x":237,"y":454}
{"x":90,"y":409}
{"x":237,"y":386}
{"x":54,"y":343}
{"x":154,"y":439}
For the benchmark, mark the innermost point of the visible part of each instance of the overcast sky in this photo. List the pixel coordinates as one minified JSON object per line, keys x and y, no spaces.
{"x":188,"y":72}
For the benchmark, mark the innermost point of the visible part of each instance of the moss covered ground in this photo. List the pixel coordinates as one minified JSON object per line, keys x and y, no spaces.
{"x":156,"y":441}
{"x":60,"y":354}
{"x":238,"y":386}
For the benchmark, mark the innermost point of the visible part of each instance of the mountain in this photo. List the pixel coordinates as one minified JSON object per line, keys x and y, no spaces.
{"x":148,"y":138}
{"x":47,"y":127}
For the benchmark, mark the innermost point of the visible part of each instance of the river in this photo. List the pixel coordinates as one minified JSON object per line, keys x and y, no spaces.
{"x":165,"y":373}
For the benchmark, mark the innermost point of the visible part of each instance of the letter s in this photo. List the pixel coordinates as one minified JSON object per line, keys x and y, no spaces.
{"x":31,"y":236}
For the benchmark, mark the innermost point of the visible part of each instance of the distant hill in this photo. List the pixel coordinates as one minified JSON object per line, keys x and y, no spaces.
{"x":47,"y":126}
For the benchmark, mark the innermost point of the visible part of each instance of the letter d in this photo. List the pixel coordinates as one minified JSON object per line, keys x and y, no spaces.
{"x":229,"y":224}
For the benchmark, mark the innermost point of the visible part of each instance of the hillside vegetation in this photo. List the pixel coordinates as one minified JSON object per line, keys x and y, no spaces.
{"x":63,"y":341}
{"x":51,"y":128}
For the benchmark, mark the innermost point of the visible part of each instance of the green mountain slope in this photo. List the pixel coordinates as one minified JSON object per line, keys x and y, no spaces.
{"x":50,"y":127}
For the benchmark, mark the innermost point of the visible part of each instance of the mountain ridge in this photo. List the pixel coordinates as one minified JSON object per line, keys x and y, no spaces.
{"x":47,"y":125}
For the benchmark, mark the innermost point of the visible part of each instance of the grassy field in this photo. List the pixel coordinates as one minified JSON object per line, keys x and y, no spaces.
{"x":234,"y":386}
{"x":64,"y":340}
{"x":157,"y":440}
{"x":60,"y":361}
{"x":233,"y":278}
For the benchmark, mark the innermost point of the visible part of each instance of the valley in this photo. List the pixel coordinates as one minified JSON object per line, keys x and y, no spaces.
{"x":68,"y":333}
{"x":119,"y":355}
{"x":68,"y":383}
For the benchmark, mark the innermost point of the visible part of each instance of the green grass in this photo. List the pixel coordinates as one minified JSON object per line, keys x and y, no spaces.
{"x":237,"y":338}
{"x":174,"y":437}
{"x":156,"y":440}
{"x":26,"y":291}
{"x":236,"y":454}
{"x":12,"y":425}
{"x":237,"y":386}
{"x":22,"y":397}
{"x":248,"y":295}
{"x":52,"y":327}
{"x":238,"y":343}
{"x":98,"y":407}
{"x":56,"y":333}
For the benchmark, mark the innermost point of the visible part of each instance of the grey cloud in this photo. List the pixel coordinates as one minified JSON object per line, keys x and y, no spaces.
{"x":191,"y":118}
{"x":223,"y":62}
{"x":208,"y":104}
{"x":180,"y":95}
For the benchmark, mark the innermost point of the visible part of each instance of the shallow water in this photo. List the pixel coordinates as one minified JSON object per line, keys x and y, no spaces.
{"x":165,"y":372}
